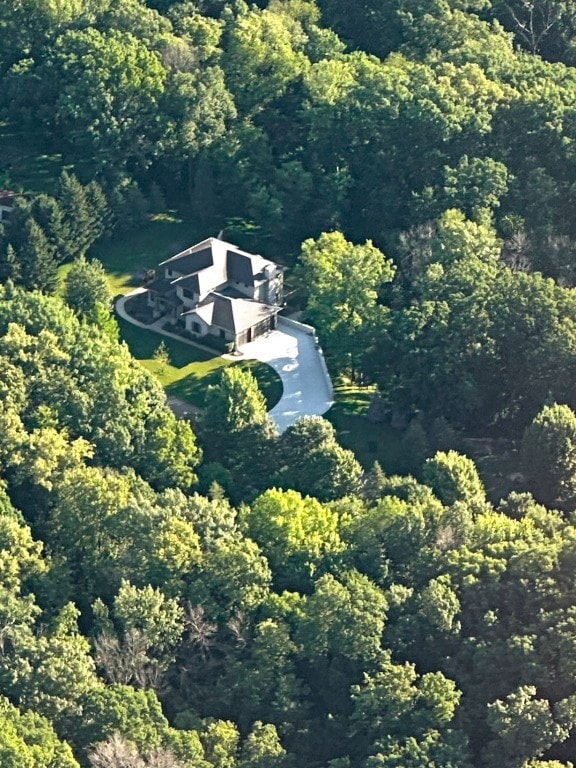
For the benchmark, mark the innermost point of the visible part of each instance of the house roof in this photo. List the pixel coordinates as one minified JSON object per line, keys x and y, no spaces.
{"x":161,"y":285}
{"x":247,"y":268}
{"x":190,"y":263}
{"x":242,"y":268}
{"x":219,"y":262}
{"x":200,"y":254}
{"x":204,"y":281}
{"x":232,"y":314}
{"x":204,"y":312}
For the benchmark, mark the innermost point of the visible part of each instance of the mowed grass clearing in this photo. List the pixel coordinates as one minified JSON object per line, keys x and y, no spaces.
{"x":192,"y":370}
{"x":131,"y":253}
{"x":369,"y":441}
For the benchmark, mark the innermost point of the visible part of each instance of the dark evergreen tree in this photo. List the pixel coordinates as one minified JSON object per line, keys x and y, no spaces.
{"x":76,"y":209}
{"x":99,"y":209}
{"x":9,"y":267}
{"x":48,"y":214}
{"x":36,"y":263}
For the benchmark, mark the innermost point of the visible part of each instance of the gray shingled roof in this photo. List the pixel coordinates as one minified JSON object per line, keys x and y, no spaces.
{"x":190,"y":281}
{"x":189,"y":262}
{"x":240,"y":267}
{"x":235,"y":315}
{"x":161,"y":285}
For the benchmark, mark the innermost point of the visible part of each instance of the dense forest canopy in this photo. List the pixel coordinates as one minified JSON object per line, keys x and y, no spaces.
{"x":224,"y":595}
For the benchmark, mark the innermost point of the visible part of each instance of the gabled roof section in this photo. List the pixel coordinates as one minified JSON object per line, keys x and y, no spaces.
{"x":239,"y":266}
{"x":191,"y":282}
{"x":205,"y":280}
{"x":235,"y":315}
{"x":201,"y":246}
{"x":190,"y":261}
{"x":245,"y":267}
{"x":204,"y":312}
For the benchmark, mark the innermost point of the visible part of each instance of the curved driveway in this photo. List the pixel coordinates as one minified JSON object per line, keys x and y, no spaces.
{"x":293,"y":352}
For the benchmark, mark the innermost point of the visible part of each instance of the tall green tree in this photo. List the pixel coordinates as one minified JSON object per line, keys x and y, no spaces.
{"x":549,"y":456}
{"x":107,"y":101}
{"x":78,"y":214}
{"x":525,"y":725}
{"x":344,"y":616}
{"x":343,"y":281}
{"x":28,"y":739}
{"x":264,"y":54}
{"x":36,"y":260}
{"x":453,"y":478}
{"x":408,"y":719}
{"x":47,"y":213}
{"x":298,"y":535}
{"x":237,"y":431}
{"x":311,"y":461}
{"x":86,"y":286}
{"x":235,"y":402}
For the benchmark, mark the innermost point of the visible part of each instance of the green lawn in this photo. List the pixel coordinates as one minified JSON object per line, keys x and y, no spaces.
{"x":191,"y":369}
{"x":370,"y":442}
{"x":132,"y":252}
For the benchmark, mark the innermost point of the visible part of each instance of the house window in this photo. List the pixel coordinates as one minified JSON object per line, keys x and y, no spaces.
{"x":222,"y":334}
{"x":196,"y":327}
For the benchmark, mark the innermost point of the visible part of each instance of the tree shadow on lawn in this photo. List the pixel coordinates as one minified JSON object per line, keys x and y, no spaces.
{"x":192,"y":387}
{"x":204,"y":366}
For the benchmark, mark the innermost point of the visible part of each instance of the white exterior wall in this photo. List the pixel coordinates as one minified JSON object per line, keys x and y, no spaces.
{"x":189,"y":319}
{"x":250,"y":291}
{"x":266,"y":291}
{"x":186,"y":300}
{"x":214,"y":330}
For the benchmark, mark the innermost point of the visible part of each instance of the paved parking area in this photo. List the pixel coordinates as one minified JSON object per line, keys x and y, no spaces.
{"x":293,"y":352}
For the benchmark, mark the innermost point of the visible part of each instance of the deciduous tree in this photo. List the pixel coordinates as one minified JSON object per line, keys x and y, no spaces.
{"x":86,"y":286}
{"x":343,"y":280}
{"x":549,"y":456}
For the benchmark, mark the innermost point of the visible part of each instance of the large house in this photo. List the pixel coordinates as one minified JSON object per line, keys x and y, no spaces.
{"x":215,"y":289}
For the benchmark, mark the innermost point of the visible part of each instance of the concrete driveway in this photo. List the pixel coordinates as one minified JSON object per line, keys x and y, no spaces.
{"x":293,"y":352}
